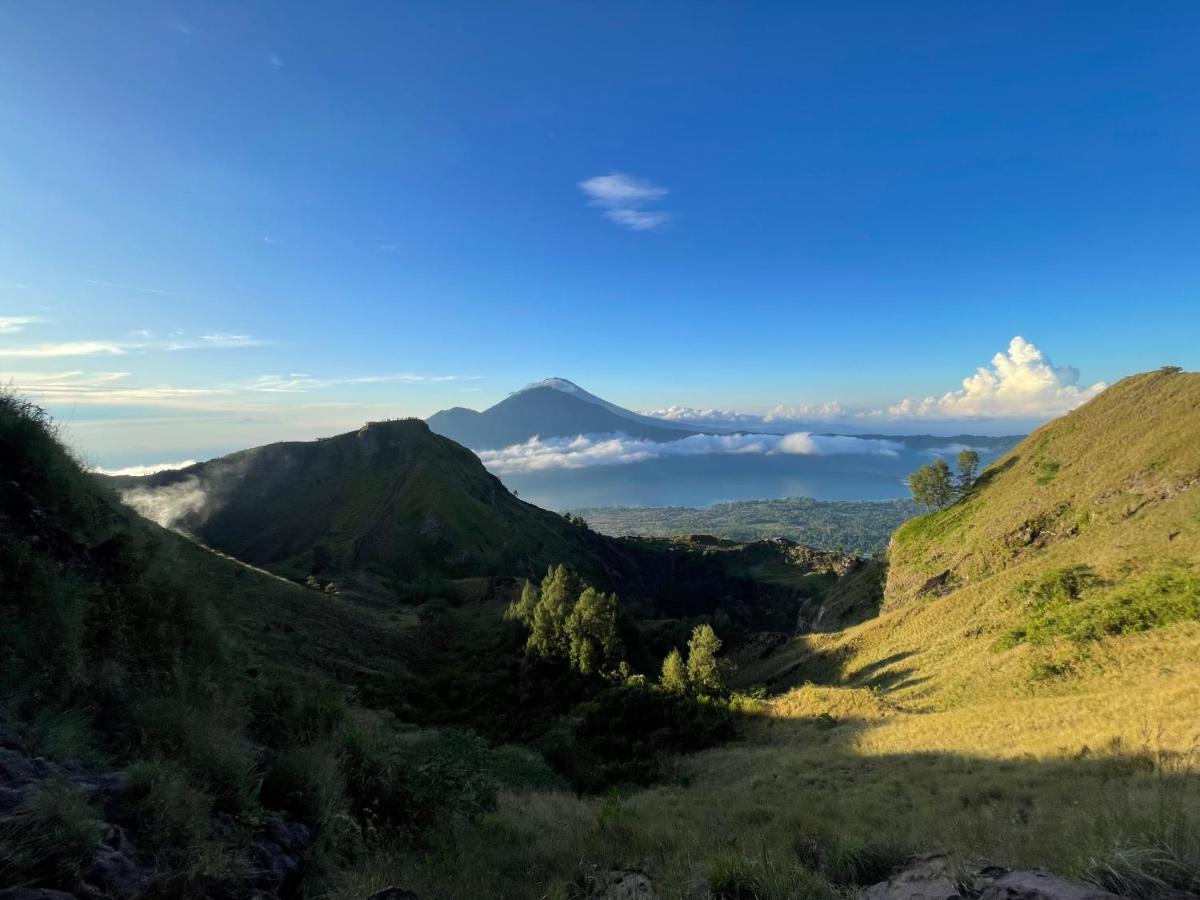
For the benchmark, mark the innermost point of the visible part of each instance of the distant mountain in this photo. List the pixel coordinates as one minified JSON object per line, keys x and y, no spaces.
{"x":551,"y":408}
{"x":392,"y":499}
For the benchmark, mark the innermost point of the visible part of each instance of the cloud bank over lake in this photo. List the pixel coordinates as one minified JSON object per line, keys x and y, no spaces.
{"x":585,"y":450}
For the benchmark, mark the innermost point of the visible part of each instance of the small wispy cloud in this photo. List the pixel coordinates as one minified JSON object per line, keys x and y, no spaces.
{"x":299,"y":384}
{"x":119,"y":348}
{"x":126,"y":287}
{"x":275,"y":59}
{"x":100,"y":388}
{"x":13,"y":324}
{"x":626,"y":200}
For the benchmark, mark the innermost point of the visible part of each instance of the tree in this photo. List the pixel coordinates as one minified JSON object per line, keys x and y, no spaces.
{"x":593,"y":634}
{"x":932,"y":485}
{"x":548,"y":631}
{"x":968,"y":469}
{"x":522,"y":610}
{"x":674,"y":678}
{"x":705,"y":672}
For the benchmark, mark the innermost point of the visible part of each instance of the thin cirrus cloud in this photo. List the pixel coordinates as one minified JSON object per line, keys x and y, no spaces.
{"x":217,"y":340}
{"x":626,"y":200}
{"x":114,"y":388}
{"x":585,"y":451}
{"x":299,"y":383}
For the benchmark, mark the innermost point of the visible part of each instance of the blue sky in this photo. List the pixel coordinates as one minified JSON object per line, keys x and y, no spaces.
{"x":859,"y":203}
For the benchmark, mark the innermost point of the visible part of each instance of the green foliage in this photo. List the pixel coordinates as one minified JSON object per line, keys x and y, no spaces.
{"x":171,"y":814}
{"x":1046,"y":471}
{"x":705,"y":672}
{"x":932,"y":485}
{"x":548,"y":636}
{"x":522,"y":610}
{"x":49,"y":837}
{"x":593,"y":633}
{"x":625,"y":734}
{"x":402,"y":789}
{"x":968,"y":468}
{"x":674,"y":678}
{"x":1072,"y":604}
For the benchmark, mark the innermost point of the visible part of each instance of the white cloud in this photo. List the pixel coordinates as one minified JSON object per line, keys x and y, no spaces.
{"x":148,"y":469}
{"x":617,"y":449}
{"x":67,"y":348}
{"x":13,"y":324}
{"x":298,"y":384}
{"x":626,"y":199}
{"x":691,"y":414}
{"x":1021,"y":382}
{"x":99,"y":388}
{"x":813,"y":412}
{"x":167,"y":505}
{"x":118,"y":348}
{"x":275,"y":59}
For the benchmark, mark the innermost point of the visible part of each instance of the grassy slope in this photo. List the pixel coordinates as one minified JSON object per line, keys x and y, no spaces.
{"x":919,"y":732}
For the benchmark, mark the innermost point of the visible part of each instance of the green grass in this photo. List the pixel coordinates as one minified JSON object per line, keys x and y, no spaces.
{"x":1071,"y":604}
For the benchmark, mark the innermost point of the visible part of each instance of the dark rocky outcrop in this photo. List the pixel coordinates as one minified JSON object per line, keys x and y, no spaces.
{"x":934,"y":878}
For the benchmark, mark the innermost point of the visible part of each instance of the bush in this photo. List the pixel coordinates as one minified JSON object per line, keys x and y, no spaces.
{"x":50,"y":837}
{"x":169,"y":813}
{"x":1069,"y":604}
{"x":401,"y":788}
{"x":622,"y":735}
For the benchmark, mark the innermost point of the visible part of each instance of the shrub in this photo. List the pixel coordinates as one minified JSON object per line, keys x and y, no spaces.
{"x":169,"y":812}
{"x":50,"y":837}
{"x":1069,"y":604}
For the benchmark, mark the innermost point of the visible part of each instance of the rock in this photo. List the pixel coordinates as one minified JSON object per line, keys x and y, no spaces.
{"x":926,"y":878}
{"x":931,"y":878}
{"x":1040,"y":885}
{"x":393,"y":893}
{"x":618,"y":884}
{"x":35,"y":894}
{"x":113,"y":871}
{"x":277,"y":853}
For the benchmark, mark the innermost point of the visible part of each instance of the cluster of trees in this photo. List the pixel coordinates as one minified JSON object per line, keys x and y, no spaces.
{"x":702,"y":673}
{"x":936,"y":485}
{"x":571,"y":622}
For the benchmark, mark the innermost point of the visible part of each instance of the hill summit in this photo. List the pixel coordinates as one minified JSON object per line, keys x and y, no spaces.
{"x":391,"y":498}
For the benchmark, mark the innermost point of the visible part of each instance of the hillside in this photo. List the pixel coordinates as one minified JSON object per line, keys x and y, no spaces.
{"x":1056,"y":606}
{"x":555,"y":408}
{"x":392,"y":499}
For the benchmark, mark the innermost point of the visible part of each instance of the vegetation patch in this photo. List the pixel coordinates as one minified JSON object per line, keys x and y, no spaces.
{"x":1073,"y":604}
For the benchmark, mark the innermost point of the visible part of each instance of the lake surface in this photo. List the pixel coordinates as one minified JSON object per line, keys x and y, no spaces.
{"x":708,"y":479}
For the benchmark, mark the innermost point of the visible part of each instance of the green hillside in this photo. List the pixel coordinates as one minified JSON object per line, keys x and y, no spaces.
{"x":393,"y":499}
{"x":1112,"y":478}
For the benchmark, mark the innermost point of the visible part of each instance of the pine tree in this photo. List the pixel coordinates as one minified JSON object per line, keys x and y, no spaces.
{"x":674,"y":678}
{"x":522,"y":610}
{"x":593,"y":633}
{"x":548,"y":632}
{"x":705,"y":672}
